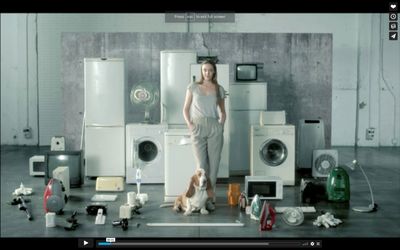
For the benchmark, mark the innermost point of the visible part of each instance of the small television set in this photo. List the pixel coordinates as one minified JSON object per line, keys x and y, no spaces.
{"x":70,"y":159}
{"x":246,"y":72}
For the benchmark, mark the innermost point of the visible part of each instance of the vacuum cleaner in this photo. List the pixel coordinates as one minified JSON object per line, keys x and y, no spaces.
{"x":54,"y":197}
{"x":338,"y":185}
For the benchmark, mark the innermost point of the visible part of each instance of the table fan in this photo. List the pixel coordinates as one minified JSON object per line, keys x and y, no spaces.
{"x":147,"y":95}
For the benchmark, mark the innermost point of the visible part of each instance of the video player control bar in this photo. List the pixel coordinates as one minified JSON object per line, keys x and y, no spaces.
{"x":219,"y":243}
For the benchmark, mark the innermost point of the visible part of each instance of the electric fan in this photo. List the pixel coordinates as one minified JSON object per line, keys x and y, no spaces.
{"x":147,"y":95}
{"x":324,"y":160}
{"x":293,"y":216}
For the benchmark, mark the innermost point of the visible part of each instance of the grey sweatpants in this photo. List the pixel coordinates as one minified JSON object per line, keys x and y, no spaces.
{"x":207,"y":138}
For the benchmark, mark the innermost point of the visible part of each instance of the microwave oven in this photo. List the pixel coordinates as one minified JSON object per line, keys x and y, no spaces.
{"x":266,"y":187}
{"x":37,"y":165}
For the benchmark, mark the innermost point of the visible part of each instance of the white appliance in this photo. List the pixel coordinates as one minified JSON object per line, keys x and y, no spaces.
{"x":145,"y":149}
{"x":107,"y":183}
{"x":324,"y":160}
{"x":104,"y":116}
{"x":272,"y":117}
{"x":37,"y":165}
{"x":175,"y":77}
{"x":311,"y":136}
{"x":180,"y":163}
{"x":247,"y":100}
{"x":249,"y":96}
{"x":61,"y":173}
{"x":273,"y":152}
{"x":179,"y":159}
{"x":57,"y":143}
{"x":223,"y":80}
{"x":267,"y":187}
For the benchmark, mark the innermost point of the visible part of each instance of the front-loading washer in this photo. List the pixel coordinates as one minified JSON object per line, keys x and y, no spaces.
{"x":272,"y":152}
{"x":145,"y":150}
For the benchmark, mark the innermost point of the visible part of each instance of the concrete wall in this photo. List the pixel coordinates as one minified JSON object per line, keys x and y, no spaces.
{"x":297,"y":67}
{"x":18,"y":80}
{"x":362,"y":56}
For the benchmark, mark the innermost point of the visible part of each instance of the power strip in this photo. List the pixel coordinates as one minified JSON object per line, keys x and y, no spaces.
{"x":309,"y":209}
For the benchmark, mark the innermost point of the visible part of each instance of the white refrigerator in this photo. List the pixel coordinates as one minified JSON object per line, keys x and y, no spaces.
{"x":104,"y":141}
{"x":246,"y":102}
{"x":223,"y":80}
{"x":174,"y":78}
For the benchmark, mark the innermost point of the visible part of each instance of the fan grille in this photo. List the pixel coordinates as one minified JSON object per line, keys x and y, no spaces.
{"x":324,"y":164}
{"x":293,"y":216}
{"x":144,"y":94}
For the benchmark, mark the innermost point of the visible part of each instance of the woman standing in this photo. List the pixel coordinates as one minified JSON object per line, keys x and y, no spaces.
{"x":204,"y":113}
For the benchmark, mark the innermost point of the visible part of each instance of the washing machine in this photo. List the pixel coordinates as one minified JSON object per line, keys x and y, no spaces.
{"x":272,"y":152}
{"x":144,"y":149}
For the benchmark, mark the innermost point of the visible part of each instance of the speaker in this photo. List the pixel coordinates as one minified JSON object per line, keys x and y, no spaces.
{"x":311,"y":136}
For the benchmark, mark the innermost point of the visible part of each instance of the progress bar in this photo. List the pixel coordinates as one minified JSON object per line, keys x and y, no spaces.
{"x":242,"y":243}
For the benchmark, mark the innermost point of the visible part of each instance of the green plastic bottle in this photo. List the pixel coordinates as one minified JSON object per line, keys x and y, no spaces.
{"x":338,"y":185}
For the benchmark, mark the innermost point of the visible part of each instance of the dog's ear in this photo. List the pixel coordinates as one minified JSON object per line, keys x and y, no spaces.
{"x":210,"y":191}
{"x":191,"y":190}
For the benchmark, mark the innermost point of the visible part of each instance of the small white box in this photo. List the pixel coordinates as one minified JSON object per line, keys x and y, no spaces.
{"x":62,"y":173}
{"x":110,"y":184}
{"x":57,"y":143}
{"x":37,"y":165}
{"x":272,"y":118}
{"x":125,"y":211}
{"x":267,"y":187}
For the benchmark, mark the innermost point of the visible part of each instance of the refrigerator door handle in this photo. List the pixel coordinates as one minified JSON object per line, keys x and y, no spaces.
{"x":164,"y":107}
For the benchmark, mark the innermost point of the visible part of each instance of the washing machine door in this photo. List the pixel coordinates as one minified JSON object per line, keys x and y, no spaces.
{"x":146,"y":150}
{"x":273,"y":152}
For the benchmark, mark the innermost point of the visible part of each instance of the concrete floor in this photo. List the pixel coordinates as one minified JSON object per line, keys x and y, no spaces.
{"x":382,"y":165}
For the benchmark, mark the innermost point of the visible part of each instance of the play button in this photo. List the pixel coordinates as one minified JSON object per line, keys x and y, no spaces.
{"x":85,"y":243}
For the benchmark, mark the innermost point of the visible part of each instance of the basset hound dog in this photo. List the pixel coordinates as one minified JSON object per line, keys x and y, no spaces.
{"x":196,"y":196}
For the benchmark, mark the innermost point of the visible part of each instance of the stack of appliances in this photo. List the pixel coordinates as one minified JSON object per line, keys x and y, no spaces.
{"x":247,"y":99}
{"x":104,"y":116}
{"x":145,"y":141}
{"x":174,"y":79}
{"x":179,"y":68}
